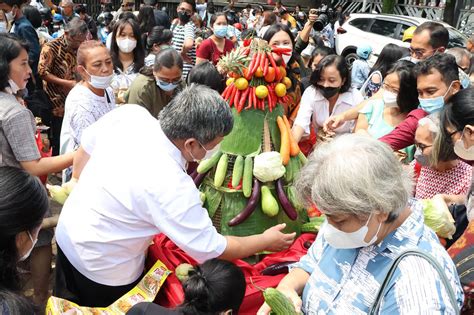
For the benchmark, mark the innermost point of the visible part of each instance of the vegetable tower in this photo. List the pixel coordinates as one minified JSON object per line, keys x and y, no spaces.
{"x":248,"y":184}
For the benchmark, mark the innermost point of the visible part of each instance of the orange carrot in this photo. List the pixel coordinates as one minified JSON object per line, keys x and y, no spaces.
{"x":294,"y":148}
{"x":285,"y":141}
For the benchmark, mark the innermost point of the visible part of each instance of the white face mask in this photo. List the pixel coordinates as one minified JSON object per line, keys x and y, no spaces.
{"x":126,"y":45}
{"x":3,"y":27}
{"x":100,"y":82}
{"x":286,"y":58}
{"x":390,"y":99}
{"x":10,"y":16}
{"x":13,"y":86}
{"x":463,"y":152}
{"x":28,"y":253}
{"x":209,"y":153}
{"x":343,"y":240}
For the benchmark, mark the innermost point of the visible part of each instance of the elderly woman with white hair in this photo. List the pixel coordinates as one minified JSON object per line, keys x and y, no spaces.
{"x":359,"y":185}
{"x":437,"y":168}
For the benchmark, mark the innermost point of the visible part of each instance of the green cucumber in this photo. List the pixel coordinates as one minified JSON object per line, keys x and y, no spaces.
{"x":221,"y":170}
{"x":247,"y":178}
{"x":206,"y":165}
{"x":237,"y":171}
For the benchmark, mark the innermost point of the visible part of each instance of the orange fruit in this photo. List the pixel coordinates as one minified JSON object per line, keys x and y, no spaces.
{"x":282,"y":73}
{"x":234,"y":75}
{"x":270,"y":77}
{"x":241,"y":84}
{"x":261,"y":91}
{"x":287,"y":82}
{"x":259,"y":72}
{"x":229,"y":81}
{"x":280,"y":89}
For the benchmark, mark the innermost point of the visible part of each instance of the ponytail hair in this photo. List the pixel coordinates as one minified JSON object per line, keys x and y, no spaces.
{"x":213,"y":287}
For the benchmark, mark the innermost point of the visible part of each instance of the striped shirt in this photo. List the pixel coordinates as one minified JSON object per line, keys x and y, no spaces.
{"x":180,"y":34}
{"x":345,"y":281}
{"x":57,"y":59}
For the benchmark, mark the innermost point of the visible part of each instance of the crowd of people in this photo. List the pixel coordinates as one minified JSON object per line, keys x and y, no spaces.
{"x":117,"y":106}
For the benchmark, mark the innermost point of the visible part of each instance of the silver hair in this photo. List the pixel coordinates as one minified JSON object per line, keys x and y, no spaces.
{"x":355,"y":174}
{"x":459,"y":54}
{"x":196,"y":112}
{"x":433,"y":123}
{"x":76,"y":27}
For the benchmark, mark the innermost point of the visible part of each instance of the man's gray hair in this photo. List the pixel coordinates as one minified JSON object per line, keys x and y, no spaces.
{"x":76,"y":27}
{"x":196,"y":112}
{"x":355,"y":174}
{"x":459,"y":54}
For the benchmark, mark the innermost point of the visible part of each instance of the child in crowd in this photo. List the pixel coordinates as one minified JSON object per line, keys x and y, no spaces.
{"x":214,"y":287}
{"x":360,"y":67}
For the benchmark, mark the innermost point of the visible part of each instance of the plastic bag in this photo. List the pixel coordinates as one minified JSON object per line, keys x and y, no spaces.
{"x":438,"y":217}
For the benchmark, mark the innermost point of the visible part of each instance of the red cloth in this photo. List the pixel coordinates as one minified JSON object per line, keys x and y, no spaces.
{"x":404,"y":134}
{"x":171,"y":294}
{"x":208,"y":50}
{"x":307,"y":145}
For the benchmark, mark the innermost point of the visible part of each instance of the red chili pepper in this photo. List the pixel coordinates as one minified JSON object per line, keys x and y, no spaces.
{"x":254,"y":97}
{"x":256,"y":63}
{"x":262,"y":61}
{"x":249,"y":103}
{"x":276,"y":49}
{"x":247,"y":42}
{"x":243,"y":98}
{"x":232,"y":95}
{"x":227,"y":91}
{"x":265,"y":67}
{"x":272,"y":61}
{"x":236,"y":100}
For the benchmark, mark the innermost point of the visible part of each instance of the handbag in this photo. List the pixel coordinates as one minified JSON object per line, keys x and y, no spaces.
{"x":375,"y":309}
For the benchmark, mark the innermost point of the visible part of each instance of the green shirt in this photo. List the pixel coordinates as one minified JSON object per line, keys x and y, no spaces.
{"x":146,"y":93}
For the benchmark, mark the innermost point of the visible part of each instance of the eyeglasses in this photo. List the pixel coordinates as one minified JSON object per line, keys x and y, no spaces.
{"x":418,"y":53}
{"x":465,"y":70}
{"x":421,"y":146}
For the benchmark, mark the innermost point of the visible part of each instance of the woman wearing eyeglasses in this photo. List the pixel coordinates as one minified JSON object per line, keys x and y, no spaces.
{"x":155,"y":87}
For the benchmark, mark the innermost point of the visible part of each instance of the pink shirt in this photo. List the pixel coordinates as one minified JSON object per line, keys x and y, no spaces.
{"x":455,"y":181}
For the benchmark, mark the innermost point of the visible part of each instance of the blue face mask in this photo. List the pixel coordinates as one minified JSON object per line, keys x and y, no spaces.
{"x":433,"y":105}
{"x":465,"y":80}
{"x":165,"y":86}
{"x":220,"y":31}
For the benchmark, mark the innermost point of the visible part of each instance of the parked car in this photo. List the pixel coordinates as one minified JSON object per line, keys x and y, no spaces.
{"x":378,"y":30}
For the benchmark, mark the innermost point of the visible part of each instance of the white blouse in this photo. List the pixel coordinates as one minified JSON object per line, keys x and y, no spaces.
{"x":314,"y":103}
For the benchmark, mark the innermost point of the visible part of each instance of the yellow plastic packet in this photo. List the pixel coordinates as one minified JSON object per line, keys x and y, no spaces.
{"x":145,"y":291}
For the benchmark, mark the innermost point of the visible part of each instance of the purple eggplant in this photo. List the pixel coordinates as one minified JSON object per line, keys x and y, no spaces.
{"x":194,"y":174}
{"x":198,"y":179}
{"x":250,"y":207}
{"x":278,"y":268}
{"x":285,"y":203}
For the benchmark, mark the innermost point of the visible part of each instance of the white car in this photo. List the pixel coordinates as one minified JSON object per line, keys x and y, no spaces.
{"x":378,"y":30}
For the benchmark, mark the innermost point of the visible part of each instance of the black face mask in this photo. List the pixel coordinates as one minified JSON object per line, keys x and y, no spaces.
{"x":329,"y":91}
{"x":184,"y":17}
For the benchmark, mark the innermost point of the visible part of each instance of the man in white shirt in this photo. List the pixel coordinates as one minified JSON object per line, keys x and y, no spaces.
{"x":133,"y":185}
